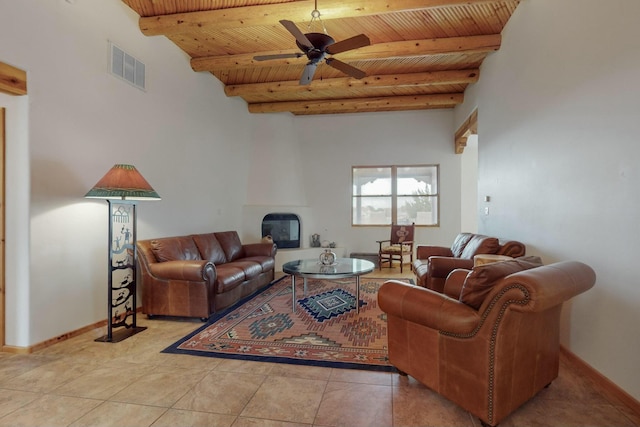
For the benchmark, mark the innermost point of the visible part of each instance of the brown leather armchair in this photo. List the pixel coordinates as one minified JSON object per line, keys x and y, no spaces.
{"x":492,"y":359}
{"x":434,"y":263}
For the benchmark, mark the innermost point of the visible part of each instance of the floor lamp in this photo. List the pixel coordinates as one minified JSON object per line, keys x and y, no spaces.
{"x":122,"y":186}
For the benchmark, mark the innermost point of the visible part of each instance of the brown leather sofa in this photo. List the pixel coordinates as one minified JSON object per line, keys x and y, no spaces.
{"x":491,"y":359}
{"x":201,"y":274}
{"x":434,"y":263}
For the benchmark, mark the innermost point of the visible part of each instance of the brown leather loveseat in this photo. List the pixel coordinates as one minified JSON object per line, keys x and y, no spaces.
{"x":434,"y":263}
{"x":201,"y":274}
{"x":493,"y":347}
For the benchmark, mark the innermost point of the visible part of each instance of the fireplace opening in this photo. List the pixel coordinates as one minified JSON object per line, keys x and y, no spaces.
{"x":284,"y":229}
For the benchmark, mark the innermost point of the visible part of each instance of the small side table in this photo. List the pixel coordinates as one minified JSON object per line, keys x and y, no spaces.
{"x":483,"y":259}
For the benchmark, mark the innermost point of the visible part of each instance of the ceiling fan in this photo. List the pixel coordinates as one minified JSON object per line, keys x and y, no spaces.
{"x":316,"y":46}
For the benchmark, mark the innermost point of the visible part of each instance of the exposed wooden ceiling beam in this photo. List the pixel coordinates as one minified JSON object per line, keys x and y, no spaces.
{"x":354,"y":105}
{"x":468,"y":128}
{"x":297,"y":11}
{"x":13,"y":81}
{"x":397,"y":81}
{"x":402,"y":49}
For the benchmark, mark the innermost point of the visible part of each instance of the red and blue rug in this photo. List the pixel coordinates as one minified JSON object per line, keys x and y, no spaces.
{"x":325,"y":329}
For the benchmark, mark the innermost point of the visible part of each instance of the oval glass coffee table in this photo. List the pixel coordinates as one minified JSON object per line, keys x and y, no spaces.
{"x":313,"y":269}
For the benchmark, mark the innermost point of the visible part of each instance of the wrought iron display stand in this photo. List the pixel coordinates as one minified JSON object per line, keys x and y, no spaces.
{"x":121,"y":298}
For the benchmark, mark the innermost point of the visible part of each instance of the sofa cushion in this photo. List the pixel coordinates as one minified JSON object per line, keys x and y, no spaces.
{"x":266,"y":262}
{"x":229,"y":277}
{"x":181,"y":248}
{"x":481,"y":279}
{"x":459,"y":244}
{"x":479,"y":244}
{"x":251,"y":269}
{"x":210,"y":248}
{"x":230,"y":242}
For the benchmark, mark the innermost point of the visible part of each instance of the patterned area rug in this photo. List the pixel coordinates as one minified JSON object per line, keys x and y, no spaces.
{"x":325,"y":329}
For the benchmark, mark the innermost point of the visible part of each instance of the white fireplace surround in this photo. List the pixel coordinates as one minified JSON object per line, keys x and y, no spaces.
{"x":252,"y":216}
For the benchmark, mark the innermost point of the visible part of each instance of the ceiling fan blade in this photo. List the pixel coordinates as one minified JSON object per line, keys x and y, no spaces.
{"x":278,"y":56}
{"x":346,"y":68}
{"x":351,"y":43}
{"x":307,"y":74}
{"x":295,"y":31}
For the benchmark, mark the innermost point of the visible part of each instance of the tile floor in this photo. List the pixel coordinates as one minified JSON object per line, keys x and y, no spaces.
{"x":80,"y":382}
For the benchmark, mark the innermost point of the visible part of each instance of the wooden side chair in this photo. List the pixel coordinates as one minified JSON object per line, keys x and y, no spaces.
{"x":396,"y":247}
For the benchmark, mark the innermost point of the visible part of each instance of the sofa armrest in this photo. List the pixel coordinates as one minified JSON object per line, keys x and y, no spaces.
{"x":424,"y":252}
{"x":455,"y":281}
{"x":549,"y":285}
{"x":260,"y":249}
{"x":512,"y":248}
{"x":441,"y":266}
{"x":196,"y":271}
{"x":426,"y":307}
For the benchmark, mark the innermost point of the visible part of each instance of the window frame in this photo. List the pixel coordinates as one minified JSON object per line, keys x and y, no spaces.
{"x":394,"y":193}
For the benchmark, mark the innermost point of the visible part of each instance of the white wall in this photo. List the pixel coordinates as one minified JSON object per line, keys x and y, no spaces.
{"x":332,"y":144}
{"x":469,"y":186}
{"x":559,"y":156}
{"x":183,"y":134}
{"x":17,"y":288}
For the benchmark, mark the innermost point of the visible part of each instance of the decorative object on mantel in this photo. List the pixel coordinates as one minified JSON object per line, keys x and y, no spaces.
{"x":327,"y":257}
{"x":315,"y":240}
{"x":122,"y":186}
{"x":332,"y":244}
{"x":325,"y":244}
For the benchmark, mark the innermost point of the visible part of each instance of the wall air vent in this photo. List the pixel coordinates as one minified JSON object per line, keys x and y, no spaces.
{"x":126,"y":67}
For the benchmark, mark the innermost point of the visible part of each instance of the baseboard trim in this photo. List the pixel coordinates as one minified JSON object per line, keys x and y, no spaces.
{"x":612,"y":392}
{"x":52,"y":341}
{"x":59,"y":338}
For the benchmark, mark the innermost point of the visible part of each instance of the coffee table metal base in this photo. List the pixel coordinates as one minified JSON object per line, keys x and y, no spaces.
{"x":342,"y":268}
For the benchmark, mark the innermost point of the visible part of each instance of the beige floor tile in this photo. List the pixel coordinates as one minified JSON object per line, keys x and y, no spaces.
{"x":570,"y":385}
{"x":162,"y":387}
{"x":418,"y":406}
{"x":10,"y":400}
{"x":118,"y":414}
{"x":188,"y":361}
{"x":103,"y":382}
{"x":234,"y":365}
{"x":221,"y":392}
{"x":261,"y":422}
{"x":538,"y":412}
{"x":12,"y":366}
{"x":47,"y":377}
{"x":286,"y":399}
{"x":300,"y":371}
{"x":352,"y":404}
{"x":51,"y":411}
{"x":176,"y":417}
{"x":361,"y":376}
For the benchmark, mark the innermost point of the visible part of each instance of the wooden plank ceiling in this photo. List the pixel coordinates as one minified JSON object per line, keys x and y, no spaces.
{"x":423,"y":53}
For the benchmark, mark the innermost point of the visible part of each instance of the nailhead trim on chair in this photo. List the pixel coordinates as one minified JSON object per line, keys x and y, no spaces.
{"x":494,"y":334}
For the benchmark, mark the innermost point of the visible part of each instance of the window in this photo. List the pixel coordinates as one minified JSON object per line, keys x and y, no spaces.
{"x":384,"y":195}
